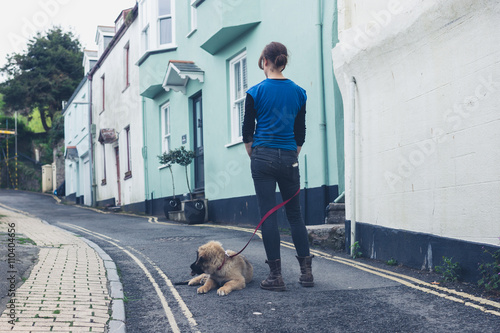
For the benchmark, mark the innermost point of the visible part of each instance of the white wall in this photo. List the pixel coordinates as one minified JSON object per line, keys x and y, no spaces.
{"x":122,"y":109}
{"x":76,"y":120}
{"x":427,"y":102}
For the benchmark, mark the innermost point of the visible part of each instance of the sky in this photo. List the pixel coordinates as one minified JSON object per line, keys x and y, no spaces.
{"x":21,"y":19}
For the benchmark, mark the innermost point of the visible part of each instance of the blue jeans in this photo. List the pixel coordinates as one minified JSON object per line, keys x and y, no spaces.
{"x":269,"y":167}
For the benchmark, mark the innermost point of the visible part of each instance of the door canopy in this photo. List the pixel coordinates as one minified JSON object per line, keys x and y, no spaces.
{"x":178,"y":74}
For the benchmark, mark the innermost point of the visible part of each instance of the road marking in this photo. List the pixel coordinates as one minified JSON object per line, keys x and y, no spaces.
{"x":405,"y":280}
{"x":166,"y":308}
{"x":174,"y":292}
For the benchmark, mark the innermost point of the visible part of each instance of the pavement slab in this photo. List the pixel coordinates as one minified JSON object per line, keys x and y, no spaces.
{"x":66,"y":290}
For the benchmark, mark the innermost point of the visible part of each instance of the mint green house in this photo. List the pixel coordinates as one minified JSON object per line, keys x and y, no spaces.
{"x":197,"y":60}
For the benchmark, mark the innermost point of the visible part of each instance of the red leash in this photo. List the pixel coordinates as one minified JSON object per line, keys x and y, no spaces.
{"x":272,"y":210}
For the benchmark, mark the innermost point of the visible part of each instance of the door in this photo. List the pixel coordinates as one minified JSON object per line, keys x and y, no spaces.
{"x":117,"y":154}
{"x":199,"y":169}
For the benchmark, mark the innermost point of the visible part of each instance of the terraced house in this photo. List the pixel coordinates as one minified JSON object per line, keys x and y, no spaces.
{"x":196,"y":61}
{"x":116,"y":115}
{"x":78,"y":161}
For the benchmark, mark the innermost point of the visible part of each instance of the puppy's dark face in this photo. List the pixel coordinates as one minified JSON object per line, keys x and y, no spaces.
{"x":197,"y":266}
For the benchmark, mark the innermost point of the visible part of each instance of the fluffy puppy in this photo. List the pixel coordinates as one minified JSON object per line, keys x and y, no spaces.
{"x":218,"y":269}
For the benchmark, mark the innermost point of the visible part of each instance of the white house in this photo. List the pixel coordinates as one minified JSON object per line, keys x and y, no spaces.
{"x":116,"y":114}
{"x":420,"y":82}
{"x":76,"y":137}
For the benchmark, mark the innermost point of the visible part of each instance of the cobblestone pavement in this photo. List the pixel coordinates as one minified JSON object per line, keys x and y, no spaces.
{"x":66,"y":290}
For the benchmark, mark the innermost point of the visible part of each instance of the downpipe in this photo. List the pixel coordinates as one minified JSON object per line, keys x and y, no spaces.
{"x":353,"y":163}
{"x":321,"y":81}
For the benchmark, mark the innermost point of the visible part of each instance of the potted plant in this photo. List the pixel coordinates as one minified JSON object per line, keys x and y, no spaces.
{"x":194,"y":210}
{"x":172,"y":203}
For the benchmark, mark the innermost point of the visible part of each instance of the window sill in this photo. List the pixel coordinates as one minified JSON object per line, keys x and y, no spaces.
{"x":191,"y":33}
{"x":128,"y":175}
{"x":155,"y":51}
{"x":234,"y":143}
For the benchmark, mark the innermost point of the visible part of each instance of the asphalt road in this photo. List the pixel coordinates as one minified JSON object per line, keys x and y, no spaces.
{"x":151,"y":255}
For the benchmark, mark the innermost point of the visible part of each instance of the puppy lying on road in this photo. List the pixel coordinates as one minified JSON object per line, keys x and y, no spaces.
{"x":218,"y":269}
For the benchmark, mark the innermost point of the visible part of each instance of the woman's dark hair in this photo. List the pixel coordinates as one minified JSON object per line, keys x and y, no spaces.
{"x":276,"y":53}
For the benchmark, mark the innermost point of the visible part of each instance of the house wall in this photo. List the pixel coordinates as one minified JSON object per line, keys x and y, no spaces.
{"x":76,"y":120}
{"x":122,"y":108}
{"x":427,"y":128}
{"x":228,"y":183}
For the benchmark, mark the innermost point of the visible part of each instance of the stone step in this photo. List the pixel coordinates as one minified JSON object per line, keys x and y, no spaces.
{"x":335,"y":213}
{"x":330,"y":236}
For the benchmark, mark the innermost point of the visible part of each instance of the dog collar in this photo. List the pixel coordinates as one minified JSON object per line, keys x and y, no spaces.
{"x":224,"y":261}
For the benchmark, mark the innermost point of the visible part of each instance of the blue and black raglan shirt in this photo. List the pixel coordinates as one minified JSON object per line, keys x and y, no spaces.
{"x":279,"y":106}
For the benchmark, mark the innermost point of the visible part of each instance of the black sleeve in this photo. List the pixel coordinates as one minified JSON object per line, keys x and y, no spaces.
{"x":249,"y":120}
{"x":299,"y":128}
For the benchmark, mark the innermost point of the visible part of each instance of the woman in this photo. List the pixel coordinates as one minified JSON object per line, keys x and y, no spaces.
{"x":279,"y":106}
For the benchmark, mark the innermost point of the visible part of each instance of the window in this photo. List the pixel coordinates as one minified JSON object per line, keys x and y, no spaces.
{"x":128,"y":173}
{"x":107,"y":40}
{"x":103,"y":148}
{"x":238,"y":85}
{"x":165,"y":25}
{"x":165,"y":128}
{"x":126,"y":64}
{"x":103,"y":82}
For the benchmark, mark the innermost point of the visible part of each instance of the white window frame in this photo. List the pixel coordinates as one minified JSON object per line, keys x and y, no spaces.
{"x":193,"y":17}
{"x":236,"y":119}
{"x":172,"y":20}
{"x":144,"y":24}
{"x":165,"y":132}
{"x":145,"y":39}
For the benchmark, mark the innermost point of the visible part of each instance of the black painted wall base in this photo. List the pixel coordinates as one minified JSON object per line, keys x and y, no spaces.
{"x":419,"y":250}
{"x":245,"y":211}
{"x":106,"y":203}
{"x":71,"y":197}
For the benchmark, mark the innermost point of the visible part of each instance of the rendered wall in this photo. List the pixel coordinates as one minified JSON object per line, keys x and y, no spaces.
{"x":427,"y":144}
{"x":76,"y":122}
{"x":122,"y":109}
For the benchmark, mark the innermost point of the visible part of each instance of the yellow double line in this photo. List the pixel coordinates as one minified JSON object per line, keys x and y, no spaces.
{"x":482,"y":304}
{"x":449,"y":294}
{"x":466,"y":299}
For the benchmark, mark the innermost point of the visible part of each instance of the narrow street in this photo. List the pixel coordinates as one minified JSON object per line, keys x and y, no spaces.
{"x":152,"y":254}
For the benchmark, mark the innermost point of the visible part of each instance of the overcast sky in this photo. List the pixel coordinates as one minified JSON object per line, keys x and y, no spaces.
{"x":20,"y":19}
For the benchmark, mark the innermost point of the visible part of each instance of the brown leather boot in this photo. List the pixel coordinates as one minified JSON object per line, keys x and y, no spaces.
{"x":274,"y":281}
{"x":306,"y":278}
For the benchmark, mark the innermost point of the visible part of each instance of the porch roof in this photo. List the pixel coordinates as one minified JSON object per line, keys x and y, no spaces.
{"x":71,"y":153}
{"x":107,"y":135}
{"x":178,"y":74}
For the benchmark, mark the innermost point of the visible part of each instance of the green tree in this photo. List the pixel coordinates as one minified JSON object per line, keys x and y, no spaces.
{"x":44,"y":76}
{"x":2,"y":103}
